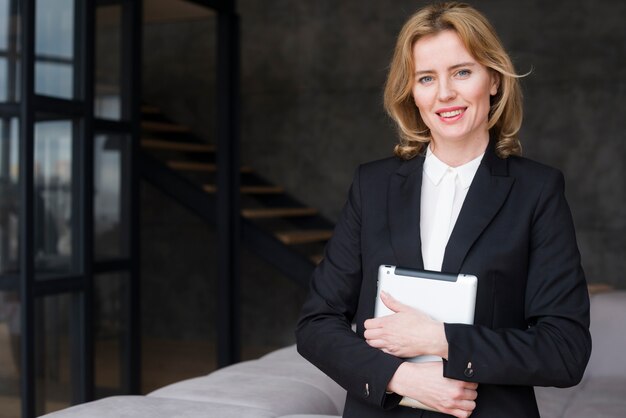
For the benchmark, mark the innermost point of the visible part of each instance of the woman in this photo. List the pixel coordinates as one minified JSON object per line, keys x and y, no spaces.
{"x":458,"y":198}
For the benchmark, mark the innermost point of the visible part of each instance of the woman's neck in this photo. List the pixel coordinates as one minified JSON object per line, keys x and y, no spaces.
{"x":457,"y":153}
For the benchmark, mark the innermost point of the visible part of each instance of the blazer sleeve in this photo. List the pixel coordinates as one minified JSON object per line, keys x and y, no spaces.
{"x":555,"y":348}
{"x":324,"y":334}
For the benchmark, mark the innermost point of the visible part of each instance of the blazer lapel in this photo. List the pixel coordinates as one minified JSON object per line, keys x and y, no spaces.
{"x":486,"y":195}
{"x":403,"y":211}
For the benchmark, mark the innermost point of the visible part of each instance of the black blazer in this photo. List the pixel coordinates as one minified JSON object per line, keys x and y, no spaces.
{"x":514,"y":232}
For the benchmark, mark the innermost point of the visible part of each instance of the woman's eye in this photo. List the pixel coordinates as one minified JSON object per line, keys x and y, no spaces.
{"x":426,"y":79}
{"x":463,"y":73}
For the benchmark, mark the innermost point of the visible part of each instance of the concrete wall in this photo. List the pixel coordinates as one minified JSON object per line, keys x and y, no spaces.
{"x":312,"y":100}
{"x":312,"y":77}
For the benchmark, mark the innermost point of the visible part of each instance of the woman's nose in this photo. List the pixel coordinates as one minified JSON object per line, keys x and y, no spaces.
{"x":446,"y":91}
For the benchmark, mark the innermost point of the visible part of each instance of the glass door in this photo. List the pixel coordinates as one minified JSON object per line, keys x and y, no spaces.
{"x":69,"y":88}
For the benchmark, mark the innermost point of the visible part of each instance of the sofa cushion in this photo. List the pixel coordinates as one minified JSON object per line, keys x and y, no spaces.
{"x":288,"y":353}
{"x":608,"y":311}
{"x":144,"y":407}
{"x":295,"y":368}
{"x":282,"y":396}
{"x":311,"y":416}
{"x":552,"y":402}
{"x":599,"y":397}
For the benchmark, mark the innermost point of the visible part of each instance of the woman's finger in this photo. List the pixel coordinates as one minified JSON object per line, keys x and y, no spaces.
{"x":461,"y":409}
{"x":470,"y":385}
{"x":373,"y":334}
{"x":373,"y":323}
{"x":392,"y":303}
{"x":376,"y":343}
{"x":459,"y":413}
{"x":470,"y":395}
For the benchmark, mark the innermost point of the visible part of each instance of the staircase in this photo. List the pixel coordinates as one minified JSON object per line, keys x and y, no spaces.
{"x":279,"y":228}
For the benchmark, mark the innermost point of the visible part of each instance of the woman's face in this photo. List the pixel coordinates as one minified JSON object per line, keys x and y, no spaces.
{"x":451,"y":89}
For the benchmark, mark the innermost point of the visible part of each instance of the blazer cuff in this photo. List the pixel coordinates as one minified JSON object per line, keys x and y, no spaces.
{"x":378,"y":391}
{"x":460,"y":365}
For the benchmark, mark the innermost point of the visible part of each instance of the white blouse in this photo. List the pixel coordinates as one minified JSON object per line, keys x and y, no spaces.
{"x":444,"y":189}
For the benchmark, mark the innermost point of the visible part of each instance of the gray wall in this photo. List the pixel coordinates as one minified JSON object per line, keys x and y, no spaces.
{"x":312,"y":100}
{"x":312,"y":76}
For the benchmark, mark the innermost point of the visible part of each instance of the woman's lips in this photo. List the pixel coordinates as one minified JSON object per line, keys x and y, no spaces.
{"x":452,"y":114}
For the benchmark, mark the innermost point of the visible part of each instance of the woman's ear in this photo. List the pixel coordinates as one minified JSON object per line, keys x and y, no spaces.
{"x":495,"y":83}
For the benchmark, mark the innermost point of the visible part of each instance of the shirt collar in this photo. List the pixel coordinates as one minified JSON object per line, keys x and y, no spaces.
{"x":435,"y":169}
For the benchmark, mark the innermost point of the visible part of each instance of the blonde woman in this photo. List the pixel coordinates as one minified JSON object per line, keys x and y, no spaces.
{"x":456,"y":197}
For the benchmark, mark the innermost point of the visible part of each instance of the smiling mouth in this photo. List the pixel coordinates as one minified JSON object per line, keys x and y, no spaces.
{"x":451,"y":113}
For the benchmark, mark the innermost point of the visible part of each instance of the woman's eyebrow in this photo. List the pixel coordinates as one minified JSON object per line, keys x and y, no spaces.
{"x":454,"y":67}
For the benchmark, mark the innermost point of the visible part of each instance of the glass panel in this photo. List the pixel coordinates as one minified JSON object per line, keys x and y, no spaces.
{"x":9,"y":351}
{"x":111,"y":223}
{"x":111,"y":327}
{"x":53,"y":196}
{"x":9,"y":38}
{"x":56,"y":326}
{"x":108,"y":62}
{"x":3,"y":75}
{"x":54,"y":48}
{"x":9,"y":192}
{"x":9,"y":250}
{"x":53,"y":79}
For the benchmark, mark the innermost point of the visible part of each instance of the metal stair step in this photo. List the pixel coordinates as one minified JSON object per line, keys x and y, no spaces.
{"x":164,"y":127}
{"x":211,"y":188}
{"x":176,"y":146}
{"x":264,"y":213}
{"x":193,"y":166}
{"x":304,"y":236}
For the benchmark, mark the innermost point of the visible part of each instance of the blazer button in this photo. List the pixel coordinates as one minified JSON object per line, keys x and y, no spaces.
{"x":366,"y":392}
{"x":469,"y":372}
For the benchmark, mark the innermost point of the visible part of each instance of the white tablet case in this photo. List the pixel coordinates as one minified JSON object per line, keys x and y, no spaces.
{"x":445,"y":297}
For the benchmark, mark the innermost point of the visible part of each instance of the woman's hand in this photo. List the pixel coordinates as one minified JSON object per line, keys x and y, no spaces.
{"x":407,"y":332}
{"x":425,"y":382}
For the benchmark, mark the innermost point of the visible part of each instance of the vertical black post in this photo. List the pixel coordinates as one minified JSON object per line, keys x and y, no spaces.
{"x":132,"y":24}
{"x":84,"y":82}
{"x":228,"y":206}
{"x":27,"y":245}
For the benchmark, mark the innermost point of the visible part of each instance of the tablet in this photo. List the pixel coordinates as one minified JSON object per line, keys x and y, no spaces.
{"x":445,"y":297}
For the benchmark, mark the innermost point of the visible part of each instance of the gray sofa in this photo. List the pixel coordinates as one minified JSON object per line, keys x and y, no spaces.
{"x":283,"y":384}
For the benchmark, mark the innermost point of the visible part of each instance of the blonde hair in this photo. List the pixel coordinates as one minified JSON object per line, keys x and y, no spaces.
{"x":482,"y":42}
